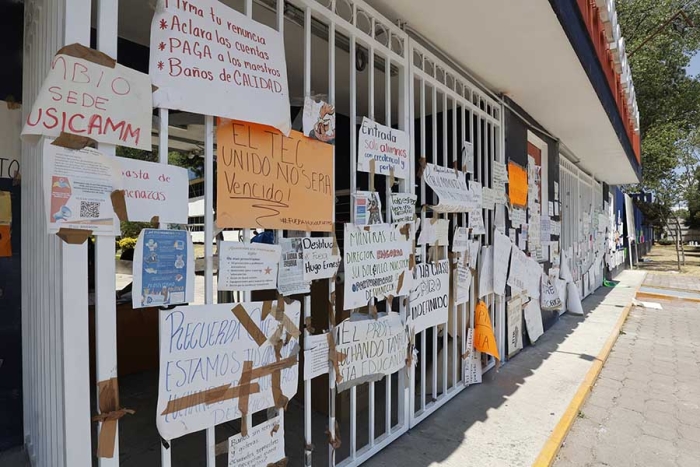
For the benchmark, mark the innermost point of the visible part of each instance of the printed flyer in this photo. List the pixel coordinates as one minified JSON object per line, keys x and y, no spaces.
{"x":248,"y":266}
{"x":290,"y":279}
{"x":163,"y":268}
{"x":77,"y":189}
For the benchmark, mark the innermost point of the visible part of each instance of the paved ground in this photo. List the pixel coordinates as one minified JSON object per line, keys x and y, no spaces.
{"x":506,"y":420}
{"x":662,"y":260}
{"x":679,"y":282}
{"x":645,"y":407}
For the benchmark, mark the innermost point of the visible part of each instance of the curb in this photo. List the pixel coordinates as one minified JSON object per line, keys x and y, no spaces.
{"x":551,"y":447}
{"x":666,"y":297}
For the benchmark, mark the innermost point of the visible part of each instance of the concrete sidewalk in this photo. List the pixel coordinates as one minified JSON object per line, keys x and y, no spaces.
{"x":506,"y":420}
{"x":645,"y":408}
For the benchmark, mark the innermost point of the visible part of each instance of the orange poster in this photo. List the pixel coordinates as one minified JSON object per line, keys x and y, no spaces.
{"x":268,"y":180}
{"x":517,"y":184}
{"x":5,"y":244}
{"x":484,"y":339}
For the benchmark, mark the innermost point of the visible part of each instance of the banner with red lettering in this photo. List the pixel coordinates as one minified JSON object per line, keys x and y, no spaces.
{"x":207,"y":58}
{"x":103,"y":101}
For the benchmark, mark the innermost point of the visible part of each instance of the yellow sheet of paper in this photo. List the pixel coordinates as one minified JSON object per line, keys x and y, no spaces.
{"x":484,"y":339}
{"x":517,"y":184}
{"x":5,"y":208}
{"x":268,"y":180}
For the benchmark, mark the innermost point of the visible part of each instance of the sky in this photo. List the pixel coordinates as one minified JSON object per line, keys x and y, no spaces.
{"x":694,"y":67}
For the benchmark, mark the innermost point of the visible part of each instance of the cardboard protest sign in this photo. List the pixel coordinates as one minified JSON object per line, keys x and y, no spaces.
{"x":386,"y":146}
{"x":77,"y":189}
{"x":377,"y":259}
{"x":434,"y":232}
{"x":501,"y":257}
{"x":264,"y":445}
{"x":368,"y":208}
{"x":272,"y":181}
{"x":86,"y":93}
{"x":373,"y":348}
{"x":207,"y":58}
{"x":154,"y":190}
{"x":248,"y":266}
{"x":319,"y":260}
{"x":5,"y":208}
{"x":450,"y":186}
{"x":533,"y":320}
{"x":5,"y":241}
{"x":217,"y":361}
{"x":486,"y":271}
{"x":403,"y":207}
{"x":515,"y":323}
{"x":484,"y":340}
{"x":517,"y":184}
{"x":429,"y":299}
{"x":163,"y":268}
{"x":290,"y":279}
{"x":319,"y":120}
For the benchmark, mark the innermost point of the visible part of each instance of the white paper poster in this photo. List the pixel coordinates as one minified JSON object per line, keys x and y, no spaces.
{"x":319,"y":120}
{"x":77,"y":189}
{"x":518,"y":269}
{"x":515,"y":330}
{"x":207,"y":58}
{"x":387,"y":147}
{"x":474,"y":247}
{"x":374,"y":348}
{"x":264,"y":445}
{"x":501,"y":258}
{"x":434,"y":232}
{"x":368,"y":208}
{"x":203,"y":350}
{"x":488,"y":198}
{"x":154,"y":190}
{"x":248,"y":266}
{"x":517,"y":217}
{"x":471,"y":365}
{"x":108,"y":104}
{"x":450,"y":186}
{"x":533,"y":320}
{"x":376,"y":263}
{"x":532,"y":278}
{"x":429,"y":299}
{"x":549,"y":296}
{"x":316,"y":356}
{"x":403,"y":207}
{"x":319,"y":260}
{"x":290,"y":279}
{"x":460,"y":240}
{"x":476,"y":222}
{"x":462,"y":279}
{"x":499,"y":173}
{"x":486,"y":271}
{"x":468,"y":153}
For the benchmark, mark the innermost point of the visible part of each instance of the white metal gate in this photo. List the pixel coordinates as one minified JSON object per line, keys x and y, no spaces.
{"x":447,"y":110}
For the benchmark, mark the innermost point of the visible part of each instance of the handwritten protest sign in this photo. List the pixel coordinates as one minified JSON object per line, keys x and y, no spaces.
{"x":488,"y":198}
{"x":104,"y":101}
{"x":77,"y":189}
{"x":472,"y":363}
{"x":373,"y":348}
{"x":468,"y":156}
{"x":484,"y":340}
{"x":476,"y":222}
{"x":499,"y":176}
{"x":403,"y":207}
{"x":460,"y":240}
{"x":518,"y":217}
{"x":154,"y":190}
{"x":486,"y":271}
{"x":207,"y":58}
{"x":248,"y":266}
{"x":429,"y":298}
{"x":515,"y":329}
{"x":376,"y":263}
{"x":203,"y":353}
{"x":549,"y":296}
{"x":319,"y":260}
{"x":163,"y":268}
{"x":264,"y":445}
{"x":518,"y":269}
{"x":386,"y":146}
{"x":501,"y":257}
{"x":472,"y":260}
{"x":450,"y":186}
{"x":290,"y":279}
{"x":517,"y":184}
{"x":533,"y":320}
{"x":462,"y":280}
{"x":434,"y":232}
{"x":272,"y":181}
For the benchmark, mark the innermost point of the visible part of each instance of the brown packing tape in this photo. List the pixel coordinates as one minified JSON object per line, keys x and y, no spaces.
{"x":155,"y":221}
{"x":266,"y":309}
{"x":399,"y":285}
{"x":110,"y":413}
{"x":73,"y":236}
{"x":435,"y":218}
{"x":331,"y":312}
{"x":16,"y":178}
{"x":12,"y":104}
{"x":422,"y":162}
{"x":85,"y":53}
{"x":335,"y":357}
{"x":405,"y":230}
{"x":210,"y":396}
{"x":392,"y":178}
{"x":119,"y":205}
{"x":335,"y":251}
{"x":275,"y":429}
{"x":67,"y":140}
{"x":372,"y":170}
{"x":454,"y":165}
{"x":280,"y":399}
{"x":373,"y":311}
{"x":308,"y":325}
{"x":154,"y":88}
{"x":334,"y":441}
{"x":246,"y":377}
{"x":411,"y":261}
{"x":249,"y":325}
{"x":267,"y":370}
{"x":279,"y":463}
{"x":390,"y":301}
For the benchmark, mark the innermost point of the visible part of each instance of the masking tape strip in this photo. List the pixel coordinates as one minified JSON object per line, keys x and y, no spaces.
{"x":73,"y":236}
{"x":250,"y":326}
{"x":85,"y":53}
{"x":334,"y":441}
{"x":280,"y":463}
{"x":372,"y":170}
{"x":70,"y":141}
{"x":119,"y":205}
{"x":110,"y":413}
{"x":335,"y":357}
{"x":335,"y":251}
{"x":208,"y":397}
{"x":244,"y":395}
{"x":399,"y":285}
